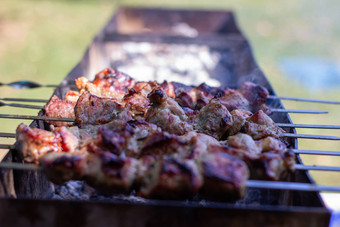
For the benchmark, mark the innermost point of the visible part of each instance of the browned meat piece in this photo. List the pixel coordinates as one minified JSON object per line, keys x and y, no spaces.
{"x":271,"y":144}
{"x":62,"y":167}
{"x":108,"y":83}
{"x":60,"y":109}
{"x":267,"y":159}
{"x":239,"y":119}
{"x":110,"y":173}
{"x":261,"y":125}
{"x":199,"y":144}
{"x":163,"y":144}
{"x":167,"y":114}
{"x":194,"y":98}
{"x":105,"y":171}
{"x":213,"y":119}
{"x":168,"y":88}
{"x":32,"y":143}
{"x":171,"y":179}
{"x":184,"y":99}
{"x":142,"y":130}
{"x":137,"y":100}
{"x":91,"y":109}
{"x":118,"y":141}
{"x":233,"y":99}
{"x":244,"y":142}
{"x":224,"y":176}
{"x":255,"y":94}
{"x":272,"y":165}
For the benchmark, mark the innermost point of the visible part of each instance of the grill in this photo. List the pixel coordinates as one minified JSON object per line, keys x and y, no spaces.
{"x":124,"y":41}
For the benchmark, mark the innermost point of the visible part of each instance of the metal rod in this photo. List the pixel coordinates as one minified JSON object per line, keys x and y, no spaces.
{"x":298,"y":111}
{"x":19,"y":166}
{"x":303,"y":99}
{"x":8,"y":135}
{"x":304,"y":136}
{"x":307,"y":126}
{"x":271,"y":110}
{"x":44,"y":118}
{"x":24,"y":100}
{"x":314,"y":167}
{"x":315,"y":152}
{"x":295,"y":186}
{"x":24,"y":84}
{"x":7,"y":146}
{"x":292,"y":186}
{"x":20,"y":105}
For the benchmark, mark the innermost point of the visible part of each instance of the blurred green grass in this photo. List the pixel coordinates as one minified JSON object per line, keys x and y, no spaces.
{"x":42,"y":40}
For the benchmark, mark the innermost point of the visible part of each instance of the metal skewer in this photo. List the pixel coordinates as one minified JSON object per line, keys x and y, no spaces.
{"x":19,"y":166}
{"x":292,"y":186}
{"x":316,"y":152}
{"x":304,"y":136}
{"x":283,"y":125}
{"x":298,"y":111}
{"x":44,"y":118}
{"x":8,"y":135}
{"x":24,"y":84}
{"x":7,"y":146}
{"x":20,"y":105}
{"x":250,"y":183}
{"x":296,"y":151}
{"x":271,"y":110}
{"x":24,"y":100}
{"x":314,"y":167}
{"x":303,"y":99}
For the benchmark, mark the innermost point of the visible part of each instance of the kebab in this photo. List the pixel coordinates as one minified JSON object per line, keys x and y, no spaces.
{"x":115,"y":142}
{"x":124,"y":91}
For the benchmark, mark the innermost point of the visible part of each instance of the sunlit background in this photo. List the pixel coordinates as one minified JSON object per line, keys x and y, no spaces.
{"x":296,"y":43}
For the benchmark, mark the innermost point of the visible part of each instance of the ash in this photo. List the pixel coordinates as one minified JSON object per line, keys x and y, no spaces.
{"x":190,"y":64}
{"x":78,"y":190}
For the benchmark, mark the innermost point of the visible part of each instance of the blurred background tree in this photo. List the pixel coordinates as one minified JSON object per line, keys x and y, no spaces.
{"x":42,"y":40}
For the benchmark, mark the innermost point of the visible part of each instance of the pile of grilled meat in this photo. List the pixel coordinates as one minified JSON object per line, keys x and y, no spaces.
{"x":164,"y":141}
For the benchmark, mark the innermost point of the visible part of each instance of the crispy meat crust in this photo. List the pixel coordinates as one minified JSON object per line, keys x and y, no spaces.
{"x":91,"y":109}
{"x":59,"y":109}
